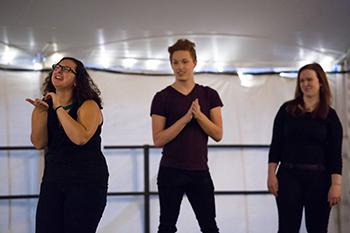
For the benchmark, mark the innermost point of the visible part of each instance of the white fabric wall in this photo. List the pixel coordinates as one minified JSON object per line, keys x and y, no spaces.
{"x":342,"y":104}
{"x":127,"y":105}
{"x":247,"y":114}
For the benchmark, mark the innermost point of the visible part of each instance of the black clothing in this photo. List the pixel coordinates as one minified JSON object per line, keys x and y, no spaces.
{"x":298,"y":189}
{"x":188,"y":150}
{"x":70,"y":208}
{"x":307,"y":140}
{"x":70,"y":163}
{"x":198,"y":186}
{"x":183,"y":167}
{"x":74,"y":186}
{"x":309,"y":151}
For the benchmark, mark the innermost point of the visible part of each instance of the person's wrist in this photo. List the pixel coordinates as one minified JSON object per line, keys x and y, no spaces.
{"x":58,"y":107}
{"x":198,"y":116}
{"x":40,"y":109}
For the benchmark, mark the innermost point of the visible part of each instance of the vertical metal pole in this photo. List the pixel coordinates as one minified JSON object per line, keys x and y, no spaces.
{"x":146,"y":189}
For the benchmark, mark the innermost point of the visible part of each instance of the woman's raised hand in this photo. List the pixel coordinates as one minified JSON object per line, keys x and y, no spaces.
{"x":38,"y":103}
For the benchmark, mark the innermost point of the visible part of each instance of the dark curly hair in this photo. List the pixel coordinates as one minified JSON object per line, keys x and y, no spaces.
{"x":325,"y":94}
{"x":85,"y":88}
{"x":183,"y":44}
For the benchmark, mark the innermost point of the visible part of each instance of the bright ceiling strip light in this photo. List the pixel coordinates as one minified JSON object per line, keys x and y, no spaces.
{"x":37,"y":66}
{"x":104,"y":58}
{"x":9,"y":55}
{"x":250,"y":81}
{"x":219,"y":67}
{"x":129,"y":62}
{"x":152,"y":64}
{"x":288,"y":74}
{"x":327,"y":63}
{"x":199,"y":66}
{"x":56,"y":57}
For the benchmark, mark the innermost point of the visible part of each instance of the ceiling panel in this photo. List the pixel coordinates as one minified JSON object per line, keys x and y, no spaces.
{"x":133,"y":36}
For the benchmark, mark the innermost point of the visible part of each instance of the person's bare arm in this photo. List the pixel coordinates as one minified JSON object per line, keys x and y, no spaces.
{"x":212,"y":126}
{"x":162,"y":136}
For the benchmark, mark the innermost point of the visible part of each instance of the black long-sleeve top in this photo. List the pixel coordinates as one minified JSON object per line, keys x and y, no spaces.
{"x":307,"y":140}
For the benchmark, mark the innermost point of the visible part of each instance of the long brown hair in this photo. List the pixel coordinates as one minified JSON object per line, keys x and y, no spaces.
{"x":296,"y":106}
{"x":85,"y":88}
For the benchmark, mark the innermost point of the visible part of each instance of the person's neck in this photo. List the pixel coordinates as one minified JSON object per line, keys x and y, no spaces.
{"x":65,"y":96}
{"x":184,"y":86}
{"x":311,"y":103}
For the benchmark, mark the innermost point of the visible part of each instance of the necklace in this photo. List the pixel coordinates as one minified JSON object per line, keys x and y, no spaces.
{"x":68,"y":107}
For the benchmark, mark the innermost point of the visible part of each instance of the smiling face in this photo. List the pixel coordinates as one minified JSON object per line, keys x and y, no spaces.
{"x":63,"y":74}
{"x":309,"y":83}
{"x":183,"y":65}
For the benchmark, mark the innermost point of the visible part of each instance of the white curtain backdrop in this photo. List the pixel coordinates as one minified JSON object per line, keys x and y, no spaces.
{"x":248,"y":115}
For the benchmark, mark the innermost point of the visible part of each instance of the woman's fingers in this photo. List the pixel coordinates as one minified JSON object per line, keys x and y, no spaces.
{"x":48,"y":96}
{"x":333,"y":201}
{"x":30,"y":101}
{"x":274,"y":190}
{"x":37,"y":103}
{"x":44,"y":104}
{"x":272,"y":185}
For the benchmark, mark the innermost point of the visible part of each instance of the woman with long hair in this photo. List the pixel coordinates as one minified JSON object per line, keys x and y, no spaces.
{"x":307,"y":146}
{"x":67,"y":122}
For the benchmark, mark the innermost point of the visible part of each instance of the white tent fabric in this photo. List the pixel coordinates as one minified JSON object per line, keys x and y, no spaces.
{"x":248,"y":115}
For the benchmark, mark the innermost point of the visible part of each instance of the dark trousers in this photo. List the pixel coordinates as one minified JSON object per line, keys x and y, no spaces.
{"x":199,"y":188}
{"x":70,"y":208}
{"x":298,"y":190}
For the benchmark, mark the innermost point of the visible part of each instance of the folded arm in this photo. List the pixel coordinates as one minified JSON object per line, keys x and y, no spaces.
{"x":212,"y":126}
{"x":162,"y":136}
{"x":81,"y":130}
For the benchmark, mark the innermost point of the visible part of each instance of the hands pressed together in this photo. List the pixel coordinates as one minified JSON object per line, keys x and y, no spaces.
{"x":194,"y":111}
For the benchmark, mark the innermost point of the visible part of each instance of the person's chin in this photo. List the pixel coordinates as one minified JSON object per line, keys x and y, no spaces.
{"x":181,"y":77}
{"x":309,"y":94}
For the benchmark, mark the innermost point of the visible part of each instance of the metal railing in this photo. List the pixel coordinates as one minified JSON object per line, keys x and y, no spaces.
{"x":146,"y":193}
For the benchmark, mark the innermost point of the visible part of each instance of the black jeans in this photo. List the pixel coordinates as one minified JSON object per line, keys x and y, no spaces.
{"x":298,"y":189}
{"x":199,"y":188}
{"x":68,"y":208}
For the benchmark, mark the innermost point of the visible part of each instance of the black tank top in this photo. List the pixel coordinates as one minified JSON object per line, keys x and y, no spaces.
{"x":67,"y":162}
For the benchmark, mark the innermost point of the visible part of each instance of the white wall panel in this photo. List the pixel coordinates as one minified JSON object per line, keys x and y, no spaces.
{"x":248,"y":115}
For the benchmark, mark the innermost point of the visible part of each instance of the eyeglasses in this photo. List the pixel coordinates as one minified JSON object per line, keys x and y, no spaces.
{"x":65,"y":69}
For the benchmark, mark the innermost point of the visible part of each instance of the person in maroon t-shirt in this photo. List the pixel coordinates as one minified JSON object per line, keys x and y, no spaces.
{"x":184,"y":114}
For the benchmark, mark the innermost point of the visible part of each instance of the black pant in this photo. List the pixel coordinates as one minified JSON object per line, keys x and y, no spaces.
{"x":298,"y":189}
{"x":199,"y":188}
{"x":70,"y":208}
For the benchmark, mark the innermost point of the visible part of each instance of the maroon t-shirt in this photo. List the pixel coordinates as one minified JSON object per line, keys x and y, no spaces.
{"x":188,"y":150}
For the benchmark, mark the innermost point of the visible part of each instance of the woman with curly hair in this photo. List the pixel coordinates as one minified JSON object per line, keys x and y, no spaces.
{"x":67,"y":123}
